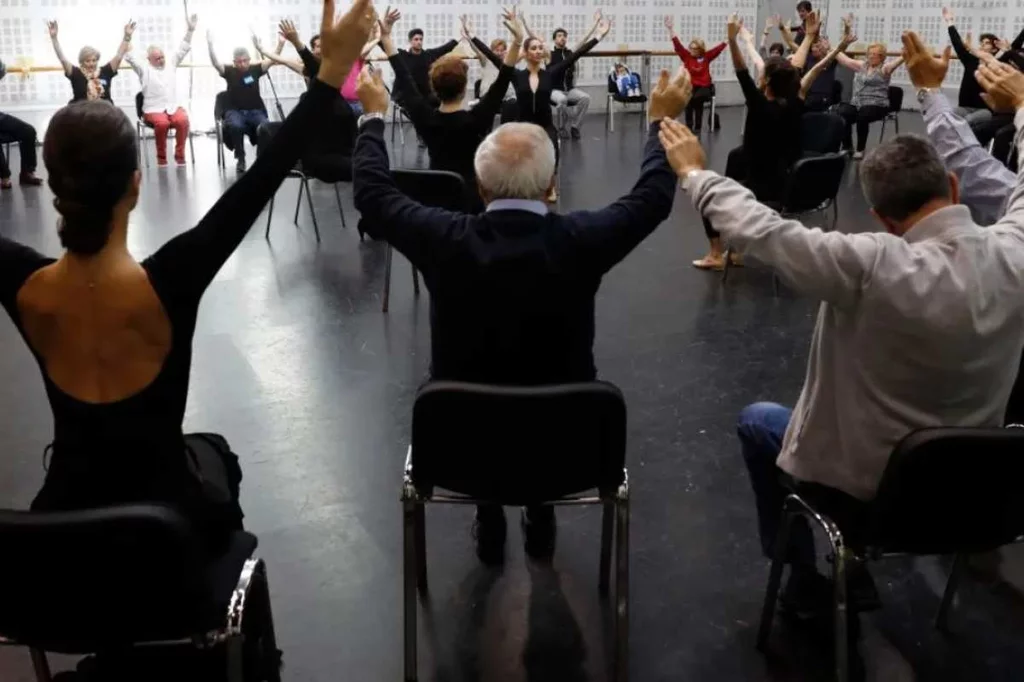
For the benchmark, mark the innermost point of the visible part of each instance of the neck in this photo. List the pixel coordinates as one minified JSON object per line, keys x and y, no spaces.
{"x":111,"y":258}
{"x":912,"y":220}
{"x":449,"y":107}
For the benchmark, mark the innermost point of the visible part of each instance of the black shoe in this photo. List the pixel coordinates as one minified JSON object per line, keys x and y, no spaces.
{"x":575,"y":133}
{"x":240,"y":166}
{"x":539,"y":531}
{"x":489,"y":532}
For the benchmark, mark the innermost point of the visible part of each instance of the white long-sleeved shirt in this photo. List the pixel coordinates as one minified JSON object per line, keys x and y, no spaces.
{"x":159,"y":86}
{"x":915,"y":331}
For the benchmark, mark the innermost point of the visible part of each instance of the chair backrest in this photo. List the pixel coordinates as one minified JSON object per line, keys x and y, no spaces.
{"x":1003,"y":148}
{"x":613,"y":88}
{"x":950,"y":490}
{"x":821,"y":133}
{"x":476,"y":88}
{"x":82,"y":581}
{"x":220,"y":105}
{"x":518,"y":445}
{"x":812,"y":182}
{"x":441,"y":189}
{"x":138,"y":105}
{"x":895,"y":99}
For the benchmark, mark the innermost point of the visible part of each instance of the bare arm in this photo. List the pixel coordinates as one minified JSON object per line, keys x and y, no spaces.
{"x":213,"y":54}
{"x":892,"y":65}
{"x":849,"y":62}
{"x":68,"y":66}
{"x":186,"y":42}
{"x":787,"y":37}
{"x":752,"y":53}
{"x":276,"y":58}
{"x":799,"y":58}
{"x":815,"y":71}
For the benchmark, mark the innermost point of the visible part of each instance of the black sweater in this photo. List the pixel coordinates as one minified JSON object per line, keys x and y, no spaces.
{"x":970,"y":91}
{"x":534,"y":106}
{"x":567,"y":80}
{"x":511,"y":291}
{"x":418,"y":65}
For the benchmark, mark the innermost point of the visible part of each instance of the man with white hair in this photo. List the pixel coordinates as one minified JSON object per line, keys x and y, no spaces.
{"x":512,"y":289}
{"x":161,"y":107}
{"x":245,"y":111}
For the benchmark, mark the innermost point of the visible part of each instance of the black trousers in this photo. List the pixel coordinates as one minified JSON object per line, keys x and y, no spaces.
{"x":695,"y":109}
{"x":814,"y":102}
{"x":862,"y":117}
{"x":986,"y":130}
{"x":13,"y":129}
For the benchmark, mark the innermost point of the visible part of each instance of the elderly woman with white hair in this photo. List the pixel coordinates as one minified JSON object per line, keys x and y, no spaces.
{"x":89,"y":80}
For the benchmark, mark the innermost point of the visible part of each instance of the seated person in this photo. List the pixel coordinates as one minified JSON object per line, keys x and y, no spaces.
{"x":821,"y":94}
{"x":113,"y":337}
{"x":161,"y":107}
{"x":920,"y":325}
{"x":869,"y":101}
{"x":627,"y":81}
{"x":451,"y":133}
{"x":512,"y":289}
{"x":88,"y":79}
{"x":697,"y":60}
{"x":489,"y":73}
{"x":24,"y":134}
{"x":245,"y":109}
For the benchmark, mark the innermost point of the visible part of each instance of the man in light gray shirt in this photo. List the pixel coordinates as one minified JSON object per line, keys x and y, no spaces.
{"x":921,"y":325}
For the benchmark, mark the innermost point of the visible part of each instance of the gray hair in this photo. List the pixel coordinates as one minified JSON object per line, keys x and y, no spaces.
{"x":516,"y":161}
{"x":239,"y":53}
{"x":87,"y":52}
{"x":902,"y":175}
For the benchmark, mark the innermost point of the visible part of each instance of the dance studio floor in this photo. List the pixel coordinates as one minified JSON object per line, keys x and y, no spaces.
{"x":313,"y":386}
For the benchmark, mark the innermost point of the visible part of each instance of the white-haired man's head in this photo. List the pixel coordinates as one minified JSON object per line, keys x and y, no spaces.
{"x":516,"y":161}
{"x":156,"y":58}
{"x":241,"y":59}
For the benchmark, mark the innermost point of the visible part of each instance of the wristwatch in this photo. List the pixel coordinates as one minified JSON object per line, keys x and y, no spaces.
{"x":376,"y":115}
{"x":688,"y":179}
{"x":922,"y":93}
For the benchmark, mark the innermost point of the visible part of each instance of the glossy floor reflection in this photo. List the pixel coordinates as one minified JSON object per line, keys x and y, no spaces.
{"x":312,"y":385}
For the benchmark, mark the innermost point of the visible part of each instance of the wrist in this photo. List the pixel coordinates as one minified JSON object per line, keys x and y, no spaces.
{"x":332,"y":75}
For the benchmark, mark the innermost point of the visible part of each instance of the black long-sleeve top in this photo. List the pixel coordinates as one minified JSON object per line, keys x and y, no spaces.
{"x":970,"y":91}
{"x":418,"y":65}
{"x":567,"y":80}
{"x":534,"y":106}
{"x":133,"y":450}
{"x":512,"y":290}
{"x":310,"y":65}
{"x":768,"y":136}
{"x":452,"y":138}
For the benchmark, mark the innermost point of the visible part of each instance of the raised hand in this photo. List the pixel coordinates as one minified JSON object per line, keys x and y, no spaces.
{"x":371,"y":91}
{"x":129,"y":29}
{"x":669,"y":24}
{"x":670,"y":95}
{"x":467,"y":30}
{"x":947,"y":16}
{"x":512,"y":24}
{"x":1003,"y":44}
{"x":287,"y":30}
{"x":771,"y":22}
{"x":733,"y":26}
{"x":812,"y":24}
{"x":603,"y":26}
{"x":1003,"y":85}
{"x":193,"y":21}
{"x":926,"y":71}
{"x":391,"y":17}
{"x":257,"y":44}
{"x":51,"y":26}
{"x":342,"y":40}
{"x":849,"y":37}
{"x":681,"y":147}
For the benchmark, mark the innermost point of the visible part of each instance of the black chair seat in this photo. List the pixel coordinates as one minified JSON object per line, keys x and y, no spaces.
{"x":635,"y":99}
{"x":222,"y":573}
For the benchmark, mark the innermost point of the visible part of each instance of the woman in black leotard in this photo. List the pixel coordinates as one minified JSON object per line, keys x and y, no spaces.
{"x":534,"y":83}
{"x":113,"y":337}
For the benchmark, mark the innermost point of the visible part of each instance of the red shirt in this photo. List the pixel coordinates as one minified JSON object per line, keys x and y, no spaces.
{"x":699,"y":67}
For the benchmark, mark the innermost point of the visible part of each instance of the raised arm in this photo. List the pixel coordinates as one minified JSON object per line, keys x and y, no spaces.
{"x":275,"y":57}
{"x":963,"y":52}
{"x":51,"y":27}
{"x":483,"y":52}
{"x":186,"y":42}
{"x":747,"y":41}
{"x":1018,"y":42}
{"x":490,"y":104}
{"x":124,"y":47}
{"x":849,"y":62}
{"x":590,"y":34}
{"x":413,"y":103}
{"x":286,"y":29}
{"x":603,"y":26}
{"x":733,"y":29}
{"x":441,"y":50}
{"x":194,"y":257}
{"x":670,"y":27}
{"x":713,"y":53}
{"x":213,"y":54}
{"x":812,"y":24}
{"x":787,"y":38}
{"x":891,"y":66}
{"x":848,"y":39}
{"x":1004,"y":92}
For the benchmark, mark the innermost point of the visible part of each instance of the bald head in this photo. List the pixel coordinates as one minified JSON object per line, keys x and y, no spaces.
{"x":155,"y":56}
{"x":516,"y":161}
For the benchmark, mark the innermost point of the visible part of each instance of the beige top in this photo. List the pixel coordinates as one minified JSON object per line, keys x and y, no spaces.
{"x":924,"y":330}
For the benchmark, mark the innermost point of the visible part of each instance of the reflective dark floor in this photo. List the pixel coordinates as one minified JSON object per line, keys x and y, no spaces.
{"x":312,"y":385}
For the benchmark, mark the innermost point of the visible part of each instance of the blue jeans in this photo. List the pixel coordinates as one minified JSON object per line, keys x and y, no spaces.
{"x":627,"y":83}
{"x":239,"y":123}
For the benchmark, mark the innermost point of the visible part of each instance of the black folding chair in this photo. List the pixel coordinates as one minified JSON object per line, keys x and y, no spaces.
{"x":821,"y":133}
{"x":812,"y":186}
{"x":518,"y":446}
{"x":141,"y":124}
{"x":895,"y":107}
{"x":1002,"y":148}
{"x":953,"y":491}
{"x":120,"y":578}
{"x":441,"y":189}
{"x":220,"y":105}
{"x":625,"y":101}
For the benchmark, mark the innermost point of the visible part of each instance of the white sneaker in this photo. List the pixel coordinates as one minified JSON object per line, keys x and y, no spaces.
{"x":858,"y":155}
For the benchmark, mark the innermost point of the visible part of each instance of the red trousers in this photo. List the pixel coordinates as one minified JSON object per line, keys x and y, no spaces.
{"x":161,"y":122}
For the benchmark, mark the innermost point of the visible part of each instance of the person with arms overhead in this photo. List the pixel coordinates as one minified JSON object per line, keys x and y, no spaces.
{"x":869,"y":101}
{"x":113,"y":337}
{"x":489,"y":70}
{"x":771,"y":133}
{"x":451,"y":133}
{"x":697,"y":60}
{"x":16,"y":130}
{"x":571,"y":102}
{"x":535,"y":83}
{"x":799,"y":30}
{"x":920,"y":325}
{"x":161,"y":107}
{"x":309,"y":57}
{"x":512,"y":289}
{"x":245,"y":108}
{"x":88,"y":81}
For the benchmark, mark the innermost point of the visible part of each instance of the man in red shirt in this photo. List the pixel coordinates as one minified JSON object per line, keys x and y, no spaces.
{"x":697,"y":61}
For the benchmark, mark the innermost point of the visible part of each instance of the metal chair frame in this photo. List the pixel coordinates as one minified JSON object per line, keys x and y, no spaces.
{"x":397,"y":114}
{"x":612,"y":98}
{"x":304,"y":179}
{"x":614,"y":519}
{"x":141,"y":126}
{"x":253,"y":576}
{"x":387,"y":279}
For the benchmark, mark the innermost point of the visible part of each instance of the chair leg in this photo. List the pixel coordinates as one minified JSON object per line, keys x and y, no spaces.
{"x":192,"y":148}
{"x":40,"y":665}
{"x":421,"y":547}
{"x":607,"y":531}
{"x":270,"y":214}
{"x":337,"y":195}
{"x":881,"y":135}
{"x":409,"y":593}
{"x":610,"y":115}
{"x":394,"y":120}
{"x":298,"y":201}
{"x":312,"y":211}
{"x":842,"y":614}
{"x":622,"y":591}
{"x":947,"y":595}
{"x":235,"y":652}
{"x":270,"y":656}
{"x":415,"y":281}
{"x":387,"y":278}
{"x":896,"y":122}
{"x":771,"y":595}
